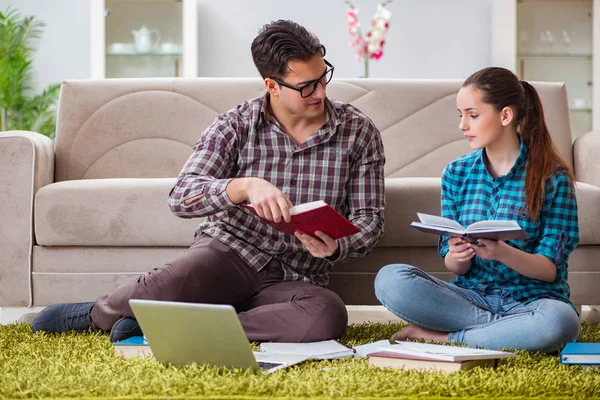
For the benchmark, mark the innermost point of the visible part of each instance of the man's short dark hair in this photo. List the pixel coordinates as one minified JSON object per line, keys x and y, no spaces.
{"x":279,"y":42}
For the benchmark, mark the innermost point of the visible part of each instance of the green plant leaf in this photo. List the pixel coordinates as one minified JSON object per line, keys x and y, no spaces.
{"x":20,"y":110}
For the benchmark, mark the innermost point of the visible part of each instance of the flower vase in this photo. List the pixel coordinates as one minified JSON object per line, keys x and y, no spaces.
{"x":366,"y":64}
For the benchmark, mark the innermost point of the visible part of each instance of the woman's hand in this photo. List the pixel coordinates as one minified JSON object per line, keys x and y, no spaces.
{"x":491,"y":249}
{"x":460,"y":249}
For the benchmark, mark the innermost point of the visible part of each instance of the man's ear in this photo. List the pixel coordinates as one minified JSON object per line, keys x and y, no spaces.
{"x":507,"y":116}
{"x":272,"y":87}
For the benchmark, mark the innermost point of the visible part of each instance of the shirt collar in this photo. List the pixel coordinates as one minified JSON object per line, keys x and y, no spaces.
{"x":521,"y":161}
{"x":332,"y":119}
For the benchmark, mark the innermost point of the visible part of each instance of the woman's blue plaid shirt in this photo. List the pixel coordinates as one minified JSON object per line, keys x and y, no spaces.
{"x":471,"y":194}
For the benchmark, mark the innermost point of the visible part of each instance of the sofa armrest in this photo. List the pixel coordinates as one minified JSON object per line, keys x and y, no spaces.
{"x":26,"y":164}
{"x":586,"y":152}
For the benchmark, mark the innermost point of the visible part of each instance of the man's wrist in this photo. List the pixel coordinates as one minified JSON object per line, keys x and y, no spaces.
{"x":237,"y":190}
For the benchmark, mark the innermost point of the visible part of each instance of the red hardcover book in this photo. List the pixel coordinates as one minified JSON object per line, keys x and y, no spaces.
{"x":314,"y":216}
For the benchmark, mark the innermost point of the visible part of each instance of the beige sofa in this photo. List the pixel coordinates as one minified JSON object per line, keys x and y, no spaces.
{"x":83,"y":214}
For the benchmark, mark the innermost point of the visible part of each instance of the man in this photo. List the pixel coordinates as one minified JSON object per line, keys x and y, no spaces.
{"x":290,"y":146}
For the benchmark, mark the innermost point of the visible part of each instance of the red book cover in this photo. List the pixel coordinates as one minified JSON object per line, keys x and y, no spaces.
{"x":314,"y":216}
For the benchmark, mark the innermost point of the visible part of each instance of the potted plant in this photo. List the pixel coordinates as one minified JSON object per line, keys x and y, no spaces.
{"x":19,"y":109}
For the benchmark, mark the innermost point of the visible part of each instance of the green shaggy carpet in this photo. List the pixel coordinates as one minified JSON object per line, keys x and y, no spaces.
{"x":84,"y":366}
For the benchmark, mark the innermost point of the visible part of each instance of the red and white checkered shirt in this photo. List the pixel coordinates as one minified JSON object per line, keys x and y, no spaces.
{"x":341,"y":164}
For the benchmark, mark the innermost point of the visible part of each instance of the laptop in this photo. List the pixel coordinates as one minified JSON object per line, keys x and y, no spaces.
{"x":185,"y":333}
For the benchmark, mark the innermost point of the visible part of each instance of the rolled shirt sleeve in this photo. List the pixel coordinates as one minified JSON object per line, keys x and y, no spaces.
{"x":207,"y":173}
{"x":560,"y":231}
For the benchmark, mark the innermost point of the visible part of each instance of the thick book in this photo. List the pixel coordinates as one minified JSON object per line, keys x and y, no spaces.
{"x":490,"y":229}
{"x":388,"y":359}
{"x":311,"y":217}
{"x":444,"y":352}
{"x":135,"y":346}
{"x":580,"y":353}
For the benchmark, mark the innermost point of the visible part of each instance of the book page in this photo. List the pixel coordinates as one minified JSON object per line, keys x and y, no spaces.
{"x":300,"y":208}
{"x":440,"y":221}
{"x":309,"y":349}
{"x":364,"y":350}
{"x":493,"y":225}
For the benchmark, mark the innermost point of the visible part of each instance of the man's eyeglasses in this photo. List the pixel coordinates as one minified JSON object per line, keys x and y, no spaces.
{"x":309,"y":88}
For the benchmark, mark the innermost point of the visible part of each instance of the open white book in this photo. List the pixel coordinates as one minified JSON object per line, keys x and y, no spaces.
{"x":490,"y":229}
{"x":445,"y":353}
{"x":326,"y":349}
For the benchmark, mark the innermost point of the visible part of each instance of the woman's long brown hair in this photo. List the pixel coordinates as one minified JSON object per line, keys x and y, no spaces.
{"x":501,"y":88}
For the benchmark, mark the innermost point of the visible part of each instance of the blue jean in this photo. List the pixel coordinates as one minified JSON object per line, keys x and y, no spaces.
{"x":487,"y":317}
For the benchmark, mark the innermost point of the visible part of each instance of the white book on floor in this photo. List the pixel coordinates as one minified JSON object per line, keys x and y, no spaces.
{"x":445,"y":353}
{"x":363,"y":350}
{"x":326,"y":349}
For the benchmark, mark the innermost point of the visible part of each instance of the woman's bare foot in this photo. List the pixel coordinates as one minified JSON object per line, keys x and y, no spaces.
{"x":416,"y":332}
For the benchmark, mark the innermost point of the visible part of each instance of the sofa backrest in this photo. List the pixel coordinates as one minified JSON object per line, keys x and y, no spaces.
{"x":145,"y":128}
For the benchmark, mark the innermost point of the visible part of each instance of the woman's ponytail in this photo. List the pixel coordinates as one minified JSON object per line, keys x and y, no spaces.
{"x":501,"y":88}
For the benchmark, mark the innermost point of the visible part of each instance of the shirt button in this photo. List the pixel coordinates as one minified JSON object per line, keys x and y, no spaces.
{"x":292,"y":181}
{"x":492,"y":212}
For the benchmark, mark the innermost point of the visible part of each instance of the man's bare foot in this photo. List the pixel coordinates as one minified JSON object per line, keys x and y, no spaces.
{"x":416,"y":332}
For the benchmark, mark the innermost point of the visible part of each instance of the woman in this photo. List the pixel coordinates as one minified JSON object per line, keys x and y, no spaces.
{"x":511,"y":294}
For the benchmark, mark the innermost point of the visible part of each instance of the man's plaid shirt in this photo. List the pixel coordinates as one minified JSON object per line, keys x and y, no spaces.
{"x":471,"y":194}
{"x":341,"y":164}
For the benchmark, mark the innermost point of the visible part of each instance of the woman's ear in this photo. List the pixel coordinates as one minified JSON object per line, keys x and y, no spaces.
{"x":507,"y":115}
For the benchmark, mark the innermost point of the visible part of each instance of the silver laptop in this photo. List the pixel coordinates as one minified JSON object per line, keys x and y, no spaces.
{"x":183,"y":333}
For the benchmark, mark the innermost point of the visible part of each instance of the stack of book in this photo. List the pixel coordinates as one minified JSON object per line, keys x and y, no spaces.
{"x":433,"y":357}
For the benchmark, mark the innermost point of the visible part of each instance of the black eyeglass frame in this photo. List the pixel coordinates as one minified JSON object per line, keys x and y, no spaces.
{"x":315,"y":82}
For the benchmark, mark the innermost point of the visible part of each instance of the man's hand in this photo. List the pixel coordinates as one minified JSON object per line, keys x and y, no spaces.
{"x":323,"y":247}
{"x":268,"y":201}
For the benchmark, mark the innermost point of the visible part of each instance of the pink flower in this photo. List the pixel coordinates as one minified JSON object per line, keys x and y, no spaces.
{"x":377,"y":55}
{"x":369,"y":44}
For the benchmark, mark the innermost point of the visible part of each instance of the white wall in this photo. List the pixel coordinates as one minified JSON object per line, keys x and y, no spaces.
{"x":426,"y":39}
{"x":63,"y":51}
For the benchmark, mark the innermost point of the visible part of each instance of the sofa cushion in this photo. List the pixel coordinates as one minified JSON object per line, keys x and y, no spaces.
{"x":404,"y":198}
{"x":134,"y":212}
{"x":407,"y":196}
{"x":588,"y":206}
{"x":110,"y":212}
{"x":145,"y":128}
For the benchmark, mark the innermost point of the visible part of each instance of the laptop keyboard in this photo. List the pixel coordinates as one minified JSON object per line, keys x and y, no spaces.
{"x":268,"y":365}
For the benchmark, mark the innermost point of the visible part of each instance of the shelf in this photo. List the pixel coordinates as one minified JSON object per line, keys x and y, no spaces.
{"x":144,"y":54}
{"x":586,"y":110}
{"x":557,"y":55}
